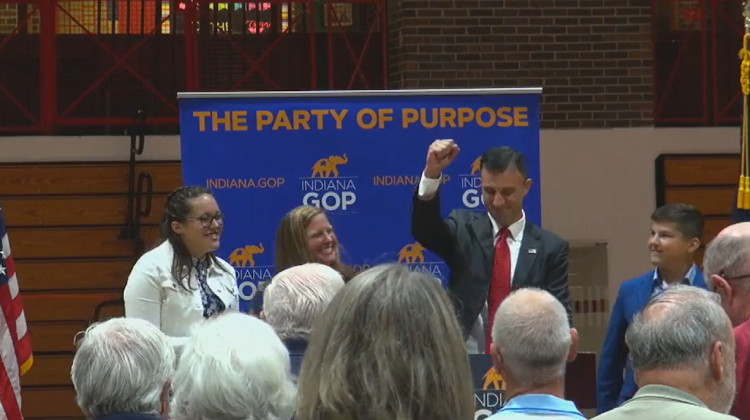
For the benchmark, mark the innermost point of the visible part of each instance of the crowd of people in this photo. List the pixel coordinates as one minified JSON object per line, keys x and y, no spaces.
{"x":391,"y":343}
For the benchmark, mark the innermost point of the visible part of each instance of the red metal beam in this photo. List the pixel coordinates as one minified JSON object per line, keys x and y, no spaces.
{"x":358,"y":65}
{"x":50,"y":116}
{"x":328,"y":12}
{"x":714,"y":58}
{"x":121,"y":62}
{"x":121,"y":121}
{"x":704,"y":58}
{"x":384,"y":40}
{"x":664,"y":91}
{"x":720,"y":115}
{"x":313,"y":56}
{"x":15,"y":30}
{"x":350,"y":49}
{"x":255,"y":66}
{"x":3,"y":89}
{"x":248,"y":60}
{"x":17,"y":103}
{"x":192,"y":74}
{"x":21,"y":129}
{"x":48,"y":65}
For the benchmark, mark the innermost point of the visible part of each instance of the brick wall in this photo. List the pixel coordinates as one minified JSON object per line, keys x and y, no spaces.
{"x":592,"y":57}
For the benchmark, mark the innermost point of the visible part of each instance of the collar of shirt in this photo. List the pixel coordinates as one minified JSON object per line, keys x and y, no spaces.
{"x":131,"y":416}
{"x":661,"y":284}
{"x":295,"y":345}
{"x":205,"y":261}
{"x":516,"y":229}
{"x":665,"y":392}
{"x":541,"y":404}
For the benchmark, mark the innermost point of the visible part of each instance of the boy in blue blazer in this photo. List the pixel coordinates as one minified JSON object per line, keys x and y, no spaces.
{"x":676,"y":232}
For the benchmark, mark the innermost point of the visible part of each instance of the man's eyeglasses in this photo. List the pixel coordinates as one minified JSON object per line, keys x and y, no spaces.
{"x":730,"y":278}
{"x":207,"y":220}
{"x":741,"y":276}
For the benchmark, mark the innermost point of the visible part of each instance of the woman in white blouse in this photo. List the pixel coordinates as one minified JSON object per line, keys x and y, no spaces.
{"x":181,"y":282}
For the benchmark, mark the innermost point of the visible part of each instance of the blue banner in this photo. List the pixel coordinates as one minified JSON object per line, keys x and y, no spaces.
{"x":489,"y":387}
{"x":357,"y":154}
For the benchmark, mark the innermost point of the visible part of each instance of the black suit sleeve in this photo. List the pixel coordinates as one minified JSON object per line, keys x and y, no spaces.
{"x":430,"y":229}
{"x":557,"y":279}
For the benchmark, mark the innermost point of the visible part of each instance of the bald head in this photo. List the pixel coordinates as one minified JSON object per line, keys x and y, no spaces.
{"x":738,"y":230}
{"x":670,"y":303}
{"x":729,"y":253}
{"x":681,"y":338}
{"x":532,"y":334}
{"x":726,"y":265}
{"x":677,"y":328}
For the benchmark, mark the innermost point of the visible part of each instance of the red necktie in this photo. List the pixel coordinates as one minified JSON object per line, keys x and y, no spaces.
{"x":500,"y":286}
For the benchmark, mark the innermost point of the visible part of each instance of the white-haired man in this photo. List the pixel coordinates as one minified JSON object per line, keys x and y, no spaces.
{"x":234,"y":367}
{"x":293,"y":301}
{"x":683,"y":357}
{"x":531,"y":344}
{"x":122,"y":371}
{"x":727,"y":266}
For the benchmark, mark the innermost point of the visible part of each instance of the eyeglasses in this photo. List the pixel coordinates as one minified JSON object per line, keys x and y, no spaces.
{"x":741,"y":276}
{"x":207,"y":220}
{"x":732,"y":278}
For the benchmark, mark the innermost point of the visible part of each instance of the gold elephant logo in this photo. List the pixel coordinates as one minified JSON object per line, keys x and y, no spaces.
{"x":328,"y":167}
{"x":241,"y":257}
{"x":411,"y":253}
{"x":476,"y":166}
{"x":492,"y":378}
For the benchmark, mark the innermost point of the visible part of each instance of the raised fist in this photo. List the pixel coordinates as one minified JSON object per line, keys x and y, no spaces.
{"x":439,"y":156}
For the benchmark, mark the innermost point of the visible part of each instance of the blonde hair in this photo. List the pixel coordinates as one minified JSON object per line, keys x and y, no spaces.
{"x":291,"y":240}
{"x":387,"y":347}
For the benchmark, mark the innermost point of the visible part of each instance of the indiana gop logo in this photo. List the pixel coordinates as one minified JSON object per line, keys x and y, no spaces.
{"x":253,"y":268}
{"x":489,"y":386}
{"x":471,"y":186}
{"x":329,"y":187}
{"x":413,"y":255}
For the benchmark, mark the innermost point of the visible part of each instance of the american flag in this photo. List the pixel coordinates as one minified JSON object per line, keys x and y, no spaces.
{"x":15,"y":344}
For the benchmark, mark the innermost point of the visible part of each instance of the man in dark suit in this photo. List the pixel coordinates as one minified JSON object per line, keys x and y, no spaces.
{"x":488,"y":254}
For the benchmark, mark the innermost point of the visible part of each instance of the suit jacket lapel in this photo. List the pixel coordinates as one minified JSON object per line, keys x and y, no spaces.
{"x":646,"y":290}
{"x":481,"y":228}
{"x":530,"y":242}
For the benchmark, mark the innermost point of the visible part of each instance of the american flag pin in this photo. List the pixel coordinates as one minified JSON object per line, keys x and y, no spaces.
{"x":532,"y":251}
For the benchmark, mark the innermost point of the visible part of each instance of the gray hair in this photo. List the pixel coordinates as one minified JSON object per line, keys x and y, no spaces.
{"x":297,"y":296}
{"x":234,"y":367}
{"x":121,"y":366}
{"x":727,"y":256}
{"x":533,"y":335}
{"x":677,"y":329}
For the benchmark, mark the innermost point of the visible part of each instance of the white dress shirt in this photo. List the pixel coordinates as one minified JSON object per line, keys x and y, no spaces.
{"x":477,"y":336}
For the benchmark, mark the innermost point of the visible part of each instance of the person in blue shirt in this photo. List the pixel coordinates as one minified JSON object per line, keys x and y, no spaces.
{"x":676,"y":232}
{"x":531,"y":345}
